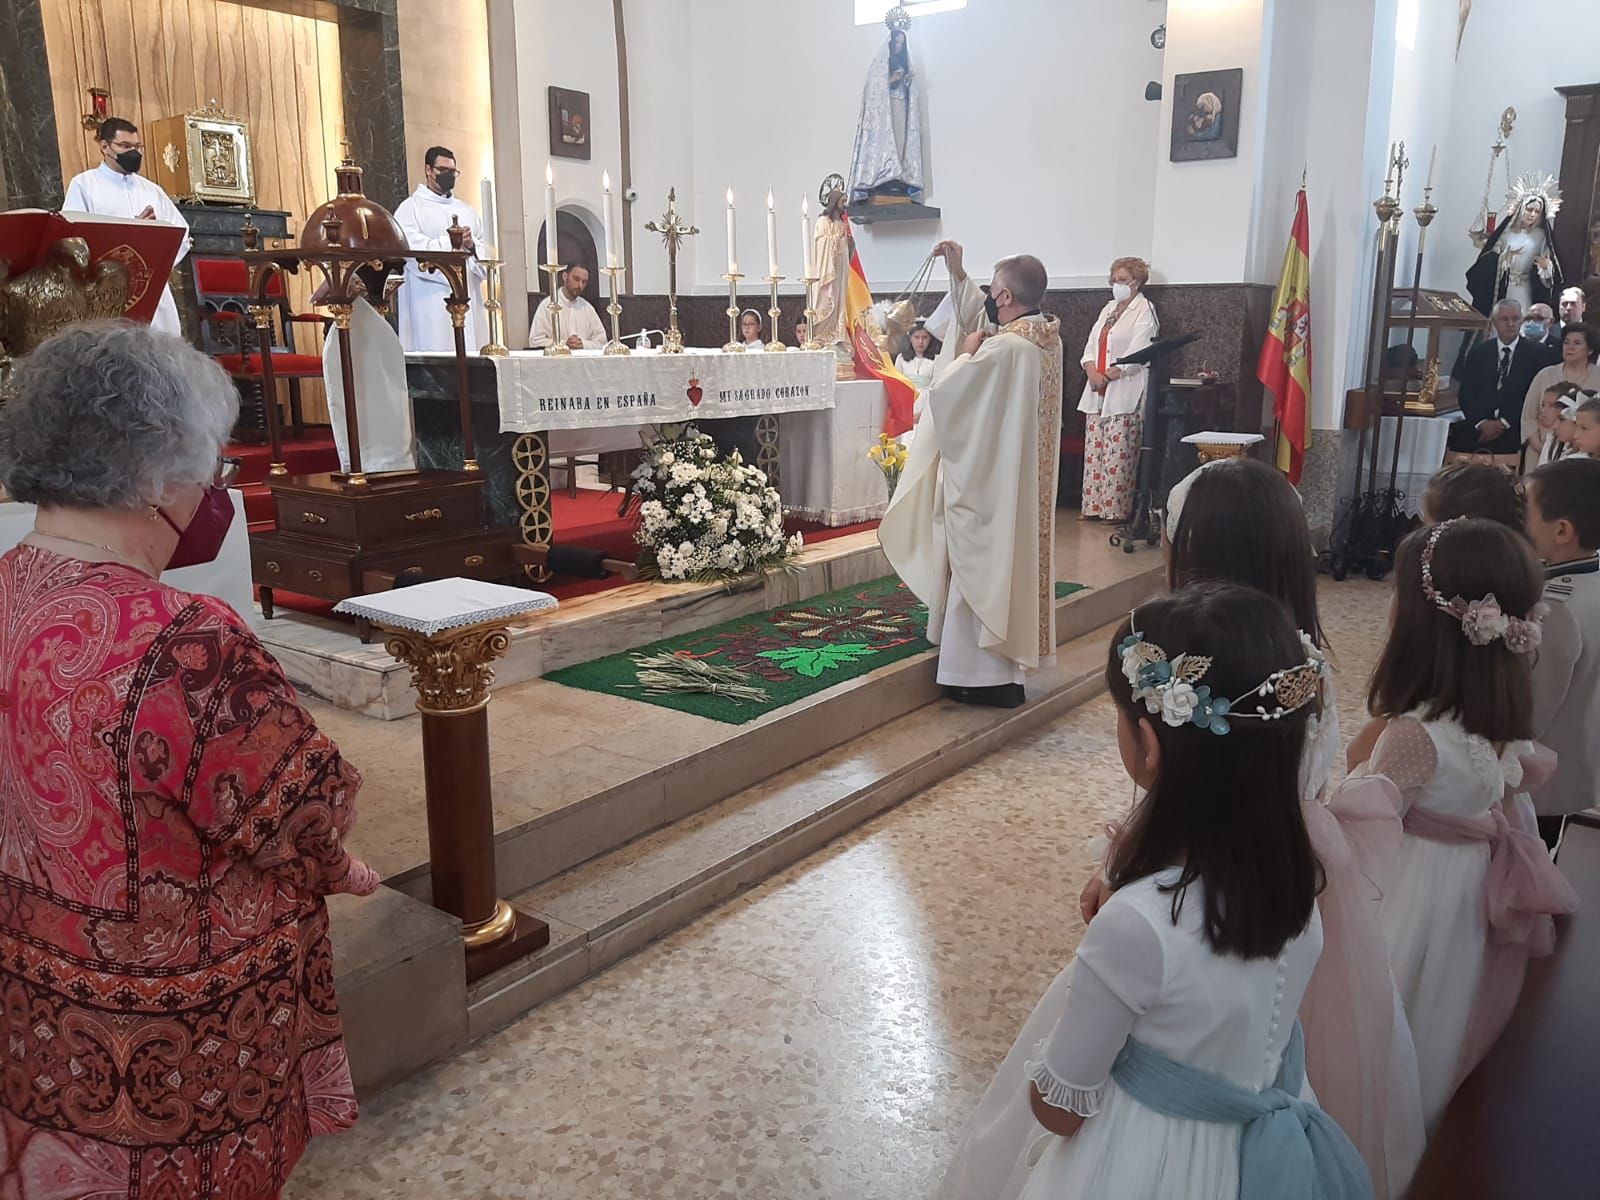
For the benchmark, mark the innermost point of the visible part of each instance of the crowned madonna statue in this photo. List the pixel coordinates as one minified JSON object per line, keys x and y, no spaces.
{"x":1519,"y":262}
{"x":888,"y":153}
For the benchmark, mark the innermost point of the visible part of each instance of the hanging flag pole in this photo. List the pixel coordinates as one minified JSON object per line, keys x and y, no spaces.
{"x":1284,"y":368}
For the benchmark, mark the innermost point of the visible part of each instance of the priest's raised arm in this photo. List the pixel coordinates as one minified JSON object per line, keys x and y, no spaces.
{"x":971,"y":528}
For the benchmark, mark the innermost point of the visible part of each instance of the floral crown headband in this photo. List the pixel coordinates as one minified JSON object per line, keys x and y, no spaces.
{"x":1168,"y":687}
{"x":1481,"y":620}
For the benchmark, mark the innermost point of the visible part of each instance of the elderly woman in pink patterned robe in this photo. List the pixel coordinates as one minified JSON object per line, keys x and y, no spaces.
{"x":170,"y":817}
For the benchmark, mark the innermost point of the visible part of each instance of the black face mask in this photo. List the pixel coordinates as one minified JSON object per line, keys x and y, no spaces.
{"x":990,"y":308}
{"x":446,"y":180}
{"x":130,"y":161}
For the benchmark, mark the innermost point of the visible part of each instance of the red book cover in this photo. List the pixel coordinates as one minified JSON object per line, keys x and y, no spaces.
{"x":145,"y":249}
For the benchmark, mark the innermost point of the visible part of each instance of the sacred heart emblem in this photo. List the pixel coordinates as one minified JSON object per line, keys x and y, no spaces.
{"x":695,"y":394}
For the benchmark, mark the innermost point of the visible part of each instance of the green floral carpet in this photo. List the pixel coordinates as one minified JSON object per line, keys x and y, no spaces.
{"x":791,"y":652}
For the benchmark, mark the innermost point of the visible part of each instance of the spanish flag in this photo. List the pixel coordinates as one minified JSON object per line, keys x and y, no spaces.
{"x":1285,"y":366}
{"x":902,"y":392}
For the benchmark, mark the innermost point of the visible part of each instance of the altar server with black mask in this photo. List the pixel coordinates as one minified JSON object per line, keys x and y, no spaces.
{"x":425,"y":217}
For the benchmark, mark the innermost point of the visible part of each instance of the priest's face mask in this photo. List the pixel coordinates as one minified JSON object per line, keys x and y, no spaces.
{"x":995,"y":297}
{"x":442,"y":174}
{"x":125,"y":151}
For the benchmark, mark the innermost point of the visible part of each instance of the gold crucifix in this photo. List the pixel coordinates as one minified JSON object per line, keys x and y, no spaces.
{"x":672,"y":231}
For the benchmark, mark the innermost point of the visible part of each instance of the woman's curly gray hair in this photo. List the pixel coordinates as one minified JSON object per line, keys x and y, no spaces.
{"x":108,"y":414}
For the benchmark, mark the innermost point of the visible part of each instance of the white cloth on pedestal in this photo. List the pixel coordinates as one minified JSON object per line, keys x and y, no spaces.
{"x":424,"y":217}
{"x":824,"y":473}
{"x":577,"y":317}
{"x":383,"y":404}
{"x":109,"y":193}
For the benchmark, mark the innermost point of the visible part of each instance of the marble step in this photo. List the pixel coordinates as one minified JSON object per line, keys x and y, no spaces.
{"x":608,"y":908}
{"x":667,"y":783}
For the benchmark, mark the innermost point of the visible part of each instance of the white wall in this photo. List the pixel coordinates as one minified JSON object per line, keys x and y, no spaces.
{"x":1509,"y":56}
{"x":1037,"y":134}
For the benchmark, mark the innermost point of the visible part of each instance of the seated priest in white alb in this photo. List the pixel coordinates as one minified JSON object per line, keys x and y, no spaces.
{"x":581,"y":328}
{"x":425,"y":218}
{"x":971,"y":528}
{"x":116,"y":189}
{"x":383,"y":405}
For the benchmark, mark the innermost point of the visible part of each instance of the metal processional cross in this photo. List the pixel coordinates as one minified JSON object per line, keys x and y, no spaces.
{"x":672,"y":231}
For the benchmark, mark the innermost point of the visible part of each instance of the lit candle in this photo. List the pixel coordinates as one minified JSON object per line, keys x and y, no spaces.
{"x":733,"y":244}
{"x":805,"y":235}
{"x":550,"y":214}
{"x":610,"y":221}
{"x":491,"y":229}
{"x":772,"y":238}
{"x":1432,"y":161}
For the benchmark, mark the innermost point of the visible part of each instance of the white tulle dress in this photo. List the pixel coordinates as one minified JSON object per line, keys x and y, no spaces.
{"x":1139,"y":975}
{"x":1432,"y":913}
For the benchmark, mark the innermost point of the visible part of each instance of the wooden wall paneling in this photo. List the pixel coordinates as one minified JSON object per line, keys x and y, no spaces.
{"x":122,"y":62}
{"x":150,"y":53}
{"x":203,"y":63}
{"x":332,"y":94}
{"x":228,"y":36}
{"x":68,"y":71}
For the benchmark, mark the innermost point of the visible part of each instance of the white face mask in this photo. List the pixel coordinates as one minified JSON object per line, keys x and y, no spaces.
{"x":1121,"y":292}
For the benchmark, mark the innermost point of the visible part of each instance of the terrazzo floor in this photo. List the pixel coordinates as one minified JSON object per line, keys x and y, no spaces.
{"x":826,"y":1034}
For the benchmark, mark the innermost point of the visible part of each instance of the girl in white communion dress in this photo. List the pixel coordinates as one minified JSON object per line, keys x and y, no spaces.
{"x":1167,"y":1060}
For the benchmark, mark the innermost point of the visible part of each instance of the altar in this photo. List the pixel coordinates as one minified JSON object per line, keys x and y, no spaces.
{"x":529,"y":408}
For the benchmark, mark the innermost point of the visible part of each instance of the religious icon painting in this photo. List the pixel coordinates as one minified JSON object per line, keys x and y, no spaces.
{"x":1205,"y":115}
{"x":569,"y":123}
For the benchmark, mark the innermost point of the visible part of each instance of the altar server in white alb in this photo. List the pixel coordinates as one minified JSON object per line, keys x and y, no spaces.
{"x":580,"y":326}
{"x":383,"y":405}
{"x":116,"y":189}
{"x":971,"y":528}
{"x":425,"y":217}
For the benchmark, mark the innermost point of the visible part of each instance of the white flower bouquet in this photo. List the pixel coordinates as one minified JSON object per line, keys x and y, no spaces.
{"x":703,"y":517}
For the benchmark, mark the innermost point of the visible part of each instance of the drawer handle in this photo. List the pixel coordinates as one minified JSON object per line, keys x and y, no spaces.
{"x":273,"y":568}
{"x":316,"y":576}
{"x":311,"y":518}
{"x":427,"y":514}
{"x":473,"y":560}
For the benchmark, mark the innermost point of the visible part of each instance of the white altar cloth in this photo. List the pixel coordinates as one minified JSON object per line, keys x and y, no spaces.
{"x":228,"y":578}
{"x":824,"y":472}
{"x":589,"y":389}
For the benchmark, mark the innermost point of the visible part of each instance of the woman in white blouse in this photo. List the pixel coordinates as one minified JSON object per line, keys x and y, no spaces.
{"x":1580,"y":346}
{"x":1113,"y":398}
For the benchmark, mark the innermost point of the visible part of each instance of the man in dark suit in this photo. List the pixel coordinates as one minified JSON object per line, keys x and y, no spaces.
{"x":1539,"y":323}
{"x":1494,"y":382}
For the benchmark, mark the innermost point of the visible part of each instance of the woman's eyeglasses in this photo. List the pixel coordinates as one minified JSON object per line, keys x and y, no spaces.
{"x":227,"y":471}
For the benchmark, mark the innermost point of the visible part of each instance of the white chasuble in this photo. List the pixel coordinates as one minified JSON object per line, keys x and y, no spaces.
{"x":383,"y":405}
{"x":424,"y":217}
{"x":974,"y":512}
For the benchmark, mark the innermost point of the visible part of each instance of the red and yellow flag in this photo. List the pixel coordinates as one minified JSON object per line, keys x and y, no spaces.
{"x":902,"y":392}
{"x":1285,"y":365}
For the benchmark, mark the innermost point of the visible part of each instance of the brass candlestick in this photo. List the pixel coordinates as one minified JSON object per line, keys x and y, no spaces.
{"x":557,"y":348}
{"x":495,"y":347}
{"x":811,"y":282}
{"x":776,"y":344}
{"x":734,"y":346}
{"x":614,"y":346}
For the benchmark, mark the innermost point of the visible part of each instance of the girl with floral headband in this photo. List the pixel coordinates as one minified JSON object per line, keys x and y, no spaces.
{"x":1467,"y":890}
{"x":1166,"y":1060}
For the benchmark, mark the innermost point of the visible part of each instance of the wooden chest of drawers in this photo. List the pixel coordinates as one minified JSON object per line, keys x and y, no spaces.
{"x":391,"y":508}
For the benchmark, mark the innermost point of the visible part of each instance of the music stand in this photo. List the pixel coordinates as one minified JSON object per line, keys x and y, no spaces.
{"x":1141,"y":524}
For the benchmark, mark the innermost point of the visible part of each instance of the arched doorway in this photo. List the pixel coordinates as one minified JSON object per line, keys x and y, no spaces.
{"x":576,"y":245}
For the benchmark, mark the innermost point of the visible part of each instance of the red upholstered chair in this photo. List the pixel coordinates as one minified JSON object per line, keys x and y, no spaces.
{"x":229,"y":334}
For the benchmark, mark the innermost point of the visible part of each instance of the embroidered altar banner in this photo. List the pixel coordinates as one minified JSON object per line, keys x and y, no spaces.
{"x":587,"y":391}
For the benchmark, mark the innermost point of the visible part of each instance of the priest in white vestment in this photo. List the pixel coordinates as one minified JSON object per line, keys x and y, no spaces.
{"x":971,"y":528}
{"x":580,"y":326}
{"x":383,"y":404}
{"x":425,"y":217}
{"x":116,"y":189}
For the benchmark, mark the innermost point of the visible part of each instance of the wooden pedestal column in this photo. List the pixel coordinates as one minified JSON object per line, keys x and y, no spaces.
{"x":452,"y":675}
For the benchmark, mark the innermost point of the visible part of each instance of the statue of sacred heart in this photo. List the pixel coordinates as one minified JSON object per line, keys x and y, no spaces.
{"x":694,"y":392}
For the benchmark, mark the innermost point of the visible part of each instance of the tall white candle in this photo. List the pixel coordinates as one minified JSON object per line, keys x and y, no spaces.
{"x":733,"y":242}
{"x":610,"y":221}
{"x":1433,"y":160}
{"x":772,"y":238}
{"x":491,"y":228}
{"x":805,"y":235}
{"x":550,"y":214}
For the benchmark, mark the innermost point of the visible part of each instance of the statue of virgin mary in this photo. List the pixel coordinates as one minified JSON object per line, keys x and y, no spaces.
{"x":1519,"y":262}
{"x":888,"y":153}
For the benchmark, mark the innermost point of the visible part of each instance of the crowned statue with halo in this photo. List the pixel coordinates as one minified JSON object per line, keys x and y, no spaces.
{"x":1519,"y":261}
{"x":888,"y":155}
